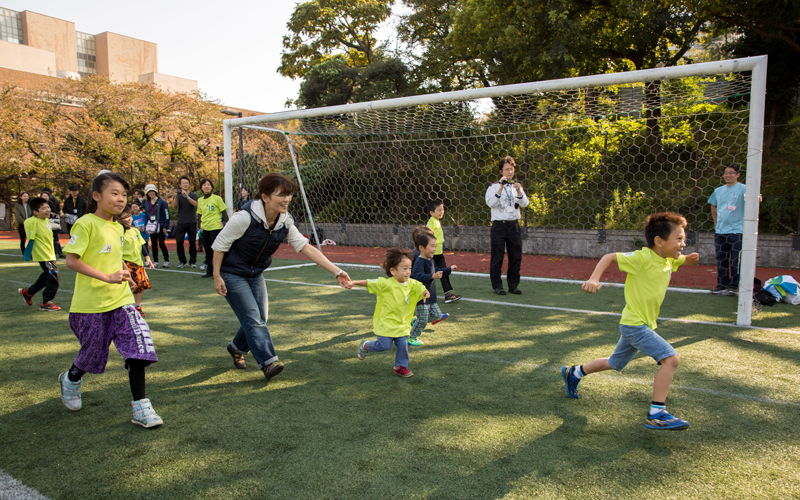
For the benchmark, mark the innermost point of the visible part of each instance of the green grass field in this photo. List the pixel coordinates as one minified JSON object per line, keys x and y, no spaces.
{"x":485,"y":415}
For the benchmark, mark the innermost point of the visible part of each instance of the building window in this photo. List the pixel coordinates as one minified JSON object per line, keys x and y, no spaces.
{"x":10,"y":26}
{"x":87,"y":54}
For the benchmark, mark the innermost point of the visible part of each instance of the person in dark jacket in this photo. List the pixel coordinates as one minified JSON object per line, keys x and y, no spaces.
{"x":244,"y":199}
{"x":22,"y":210}
{"x":157,"y":223}
{"x":74,"y":207}
{"x":243,"y":250}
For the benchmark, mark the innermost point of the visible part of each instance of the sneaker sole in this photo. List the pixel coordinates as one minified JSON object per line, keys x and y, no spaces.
{"x":566,"y":382}
{"x":149,"y":425}
{"x":660,"y":428}
{"x":19,"y":291}
{"x":407,"y":375}
{"x":59,"y":394}
{"x":448,"y":301}
{"x":49,"y":310}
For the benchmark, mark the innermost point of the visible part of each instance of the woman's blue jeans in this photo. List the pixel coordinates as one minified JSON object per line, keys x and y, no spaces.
{"x":248,"y":299}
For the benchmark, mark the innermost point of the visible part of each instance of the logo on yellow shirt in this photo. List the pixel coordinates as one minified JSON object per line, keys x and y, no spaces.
{"x":106,"y":249}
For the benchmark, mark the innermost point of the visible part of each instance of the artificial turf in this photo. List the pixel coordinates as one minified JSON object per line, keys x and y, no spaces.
{"x":485,"y":416}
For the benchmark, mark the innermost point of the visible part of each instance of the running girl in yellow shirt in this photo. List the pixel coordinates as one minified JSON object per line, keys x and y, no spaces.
{"x":102,"y":309}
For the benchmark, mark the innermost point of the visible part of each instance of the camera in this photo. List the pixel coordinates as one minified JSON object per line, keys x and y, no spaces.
{"x":505,"y":181}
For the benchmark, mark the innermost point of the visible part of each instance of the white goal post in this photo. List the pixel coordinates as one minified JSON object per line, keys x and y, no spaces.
{"x":757,"y":66}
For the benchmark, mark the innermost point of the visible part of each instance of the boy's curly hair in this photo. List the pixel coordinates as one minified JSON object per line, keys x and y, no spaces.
{"x":393,"y":258}
{"x":661,"y":224}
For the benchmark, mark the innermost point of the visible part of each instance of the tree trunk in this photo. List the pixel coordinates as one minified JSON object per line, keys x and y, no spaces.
{"x":773,"y":116}
{"x":652,"y":99}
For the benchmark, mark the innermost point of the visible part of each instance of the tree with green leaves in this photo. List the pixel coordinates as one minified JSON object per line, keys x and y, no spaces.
{"x":320,"y":29}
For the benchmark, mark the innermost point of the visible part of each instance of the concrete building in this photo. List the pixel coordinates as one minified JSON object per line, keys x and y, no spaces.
{"x":42,"y":45}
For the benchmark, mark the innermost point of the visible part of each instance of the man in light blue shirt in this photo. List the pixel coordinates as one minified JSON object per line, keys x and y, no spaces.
{"x":727,"y":210}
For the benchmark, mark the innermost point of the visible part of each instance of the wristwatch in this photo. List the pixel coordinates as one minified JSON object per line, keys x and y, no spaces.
{"x":339,"y":273}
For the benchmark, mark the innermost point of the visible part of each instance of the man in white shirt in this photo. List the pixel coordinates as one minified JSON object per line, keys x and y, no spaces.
{"x":505,"y":197}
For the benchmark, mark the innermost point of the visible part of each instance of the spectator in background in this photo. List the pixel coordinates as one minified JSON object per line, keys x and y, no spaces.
{"x":74,"y":207}
{"x":727,"y":211}
{"x":186,"y":203}
{"x":244,"y":199}
{"x":157,"y":213}
{"x":55,"y":219}
{"x":212,"y":210}
{"x":22,"y":210}
{"x":141,"y":198}
{"x":505,"y":197}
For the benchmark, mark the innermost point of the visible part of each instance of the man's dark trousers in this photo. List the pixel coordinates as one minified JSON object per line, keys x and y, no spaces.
{"x":181,"y":230}
{"x":505,"y":235}
{"x":728,"y":249}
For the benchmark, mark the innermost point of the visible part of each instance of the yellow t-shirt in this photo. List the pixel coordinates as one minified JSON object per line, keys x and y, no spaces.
{"x":436,"y":225}
{"x":646,"y":284}
{"x":132,"y":248}
{"x":210,"y":211}
{"x":395,"y":307}
{"x":40,"y":232}
{"x":99,"y":244}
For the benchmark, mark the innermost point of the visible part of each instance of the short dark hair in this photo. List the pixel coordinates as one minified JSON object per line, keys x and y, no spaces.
{"x":182,"y":178}
{"x":36,"y":203}
{"x":423,"y":239}
{"x":393,"y":257}
{"x":47,"y":190}
{"x":661,"y":225}
{"x":73,"y":188}
{"x":204,"y":180}
{"x":734,"y":166}
{"x":19,"y":198}
{"x":139,"y":192}
{"x":434,"y":204}
{"x":504,"y":160}
{"x":136,"y":202}
{"x":276,"y":182}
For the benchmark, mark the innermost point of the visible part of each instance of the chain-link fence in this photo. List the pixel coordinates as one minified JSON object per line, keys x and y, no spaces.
{"x":593,"y":162}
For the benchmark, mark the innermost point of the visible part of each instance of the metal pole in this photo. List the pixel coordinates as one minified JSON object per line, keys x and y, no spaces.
{"x":755,"y":142}
{"x":219,"y":178}
{"x":303,"y":191}
{"x":602,"y":233}
{"x":241,"y":157}
{"x":228,"y":165}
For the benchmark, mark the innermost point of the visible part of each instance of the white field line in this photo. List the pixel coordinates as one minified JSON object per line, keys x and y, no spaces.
{"x":493,"y":302}
{"x":12,"y":489}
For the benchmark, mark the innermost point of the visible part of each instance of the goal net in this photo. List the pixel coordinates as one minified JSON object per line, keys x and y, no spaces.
{"x":594,"y":155}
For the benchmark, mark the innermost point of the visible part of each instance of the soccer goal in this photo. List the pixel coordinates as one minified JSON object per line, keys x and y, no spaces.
{"x":595,"y":155}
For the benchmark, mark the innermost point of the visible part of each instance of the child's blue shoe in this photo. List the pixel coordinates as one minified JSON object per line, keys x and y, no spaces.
{"x":571,"y":381}
{"x":144,"y":414}
{"x":444,"y":317}
{"x":664,"y":421}
{"x":414,"y":341}
{"x":361,"y":353}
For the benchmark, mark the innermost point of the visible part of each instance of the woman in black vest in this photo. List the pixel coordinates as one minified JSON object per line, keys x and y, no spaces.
{"x":242,"y":250}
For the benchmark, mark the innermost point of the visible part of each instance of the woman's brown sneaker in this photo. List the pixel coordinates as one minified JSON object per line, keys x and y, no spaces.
{"x":238,"y":358}
{"x":272,"y":369}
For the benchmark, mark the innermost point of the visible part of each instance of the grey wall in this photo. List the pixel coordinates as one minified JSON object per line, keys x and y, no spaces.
{"x":773,"y":250}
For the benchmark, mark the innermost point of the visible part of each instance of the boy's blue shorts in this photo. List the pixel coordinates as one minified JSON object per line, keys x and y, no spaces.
{"x":639,"y":338}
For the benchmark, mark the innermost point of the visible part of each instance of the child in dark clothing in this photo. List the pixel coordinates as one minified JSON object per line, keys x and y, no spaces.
{"x":425,"y":271}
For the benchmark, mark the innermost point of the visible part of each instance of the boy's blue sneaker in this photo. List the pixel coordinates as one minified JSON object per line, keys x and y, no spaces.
{"x":361,"y":353}
{"x":414,"y":341}
{"x":571,"y":381}
{"x":144,"y":414}
{"x":664,"y":421}
{"x":444,"y":317}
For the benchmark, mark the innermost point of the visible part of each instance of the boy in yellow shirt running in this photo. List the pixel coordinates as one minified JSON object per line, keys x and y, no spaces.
{"x":436,"y":209}
{"x":649,"y":271}
{"x":41,"y":249}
